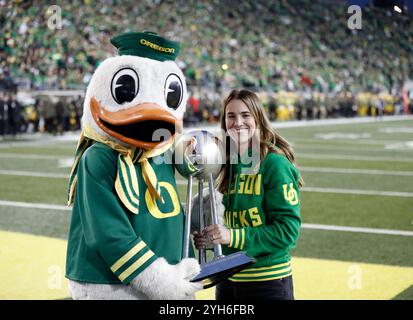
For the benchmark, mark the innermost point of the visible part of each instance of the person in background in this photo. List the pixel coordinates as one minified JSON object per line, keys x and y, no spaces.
{"x":14,"y":109}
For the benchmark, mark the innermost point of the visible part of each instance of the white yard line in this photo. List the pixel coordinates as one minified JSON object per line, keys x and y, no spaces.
{"x":34,"y":174}
{"x":46,"y":206}
{"x":44,"y":143}
{"x":352,"y":157}
{"x":309,"y":146}
{"x":359,"y":192}
{"x":357,"y":229}
{"x":41,"y":140}
{"x":32,"y":205}
{"x":358,"y":171}
{"x":32,"y":156}
{"x":323,"y":142}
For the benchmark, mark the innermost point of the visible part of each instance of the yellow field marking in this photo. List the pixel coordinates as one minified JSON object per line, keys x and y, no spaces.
{"x":316,"y":279}
{"x":330,"y":279}
{"x":33,"y":267}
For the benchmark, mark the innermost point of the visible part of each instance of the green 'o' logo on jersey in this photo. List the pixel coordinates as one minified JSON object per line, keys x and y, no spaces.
{"x":153,"y":206}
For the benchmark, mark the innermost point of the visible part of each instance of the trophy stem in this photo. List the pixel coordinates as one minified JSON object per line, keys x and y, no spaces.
{"x":205,"y":168}
{"x":187,"y":229}
{"x":202,"y":251}
{"x":213,"y":202}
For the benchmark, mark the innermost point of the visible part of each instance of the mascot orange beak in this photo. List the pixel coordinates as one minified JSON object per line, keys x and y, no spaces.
{"x":145,"y":125}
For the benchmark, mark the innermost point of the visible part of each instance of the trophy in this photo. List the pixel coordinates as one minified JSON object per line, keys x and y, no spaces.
{"x":204,"y":162}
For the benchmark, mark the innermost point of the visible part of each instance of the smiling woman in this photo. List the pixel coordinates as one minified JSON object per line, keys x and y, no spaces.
{"x":240,"y":123}
{"x":260,"y":186}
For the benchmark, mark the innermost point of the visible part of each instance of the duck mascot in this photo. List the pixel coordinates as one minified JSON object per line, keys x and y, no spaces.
{"x":126,"y":233}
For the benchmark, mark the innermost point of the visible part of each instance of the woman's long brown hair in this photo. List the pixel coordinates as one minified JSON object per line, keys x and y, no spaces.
{"x":270,"y":140}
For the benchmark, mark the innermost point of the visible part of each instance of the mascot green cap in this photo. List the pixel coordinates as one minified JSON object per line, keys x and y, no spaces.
{"x":146,"y":44}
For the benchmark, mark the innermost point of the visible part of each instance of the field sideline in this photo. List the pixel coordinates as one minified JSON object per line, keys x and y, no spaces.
{"x":357,"y":207}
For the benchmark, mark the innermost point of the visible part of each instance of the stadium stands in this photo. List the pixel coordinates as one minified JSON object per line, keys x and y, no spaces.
{"x":300,"y":46}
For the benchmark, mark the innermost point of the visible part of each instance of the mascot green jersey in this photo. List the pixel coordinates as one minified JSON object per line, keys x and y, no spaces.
{"x":126,"y":233}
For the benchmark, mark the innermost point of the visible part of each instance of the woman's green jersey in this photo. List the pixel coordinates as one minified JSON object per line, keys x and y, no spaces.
{"x":262,"y":211}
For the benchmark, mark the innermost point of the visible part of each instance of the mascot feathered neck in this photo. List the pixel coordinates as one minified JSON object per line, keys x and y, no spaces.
{"x":134,"y":104}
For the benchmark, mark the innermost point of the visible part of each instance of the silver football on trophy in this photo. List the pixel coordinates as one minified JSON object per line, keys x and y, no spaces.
{"x":199,"y":153}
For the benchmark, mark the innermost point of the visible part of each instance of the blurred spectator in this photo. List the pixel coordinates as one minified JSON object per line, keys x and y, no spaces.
{"x":3,"y":114}
{"x":59,"y":116}
{"x":411,"y":102}
{"x":49,"y":115}
{"x":32,"y":117}
{"x":13,"y":110}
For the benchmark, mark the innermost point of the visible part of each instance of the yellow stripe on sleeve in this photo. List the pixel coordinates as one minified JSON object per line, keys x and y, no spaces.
{"x":236,"y":238}
{"x":127,"y":256}
{"x":138,"y":263}
{"x":242,"y":238}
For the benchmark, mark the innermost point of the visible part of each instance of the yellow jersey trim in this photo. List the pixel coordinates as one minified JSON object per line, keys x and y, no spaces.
{"x":267,"y":268}
{"x":264,"y":279}
{"x":132,"y":171}
{"x":242,"y":239}
{"x":125,"y":170}
{"x":268,"y":273}
{"x":134,"y":266}
{"x":264,"y":273}
{"x":127,"y":256}
{"x":122,"y":196}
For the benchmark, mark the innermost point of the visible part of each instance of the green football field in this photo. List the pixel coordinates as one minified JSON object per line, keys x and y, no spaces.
{"x":356,"y":239}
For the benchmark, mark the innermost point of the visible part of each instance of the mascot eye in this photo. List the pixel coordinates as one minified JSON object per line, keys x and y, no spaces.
{"x":173,"y":91}
{"x":125,"y":85}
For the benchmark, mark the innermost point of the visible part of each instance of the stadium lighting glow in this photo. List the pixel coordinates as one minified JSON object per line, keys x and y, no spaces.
{"x":224,"y":67}
{"x":397,"y":9}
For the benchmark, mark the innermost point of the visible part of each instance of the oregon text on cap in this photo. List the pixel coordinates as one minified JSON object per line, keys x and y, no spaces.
{"x":156,"y":47}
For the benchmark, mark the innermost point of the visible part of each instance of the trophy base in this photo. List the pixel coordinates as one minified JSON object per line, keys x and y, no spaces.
{"x":223,"y":267}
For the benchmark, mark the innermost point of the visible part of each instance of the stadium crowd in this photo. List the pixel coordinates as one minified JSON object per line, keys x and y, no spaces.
{"x":279,"y":48}
{"x":54,"y":115}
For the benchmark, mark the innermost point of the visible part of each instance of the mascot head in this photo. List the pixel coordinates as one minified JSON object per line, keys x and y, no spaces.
{"x":137,"y":98}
